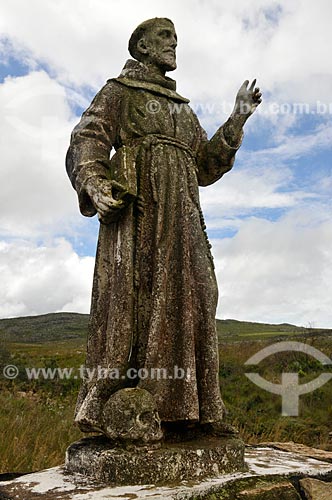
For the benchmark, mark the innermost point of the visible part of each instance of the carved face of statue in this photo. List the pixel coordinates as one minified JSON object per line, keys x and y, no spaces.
{"x":159,"y":46}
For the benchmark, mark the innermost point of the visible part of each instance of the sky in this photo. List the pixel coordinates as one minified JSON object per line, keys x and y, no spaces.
{"x":269,"y":219}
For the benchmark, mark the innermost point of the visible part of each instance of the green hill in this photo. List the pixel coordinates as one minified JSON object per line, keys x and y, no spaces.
{"x":68,"y":326}
{"x":230,"y":330}
{"x":44,"y":328}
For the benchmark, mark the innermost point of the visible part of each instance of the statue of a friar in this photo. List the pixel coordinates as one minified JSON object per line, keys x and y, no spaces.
{"x":152,"y":324}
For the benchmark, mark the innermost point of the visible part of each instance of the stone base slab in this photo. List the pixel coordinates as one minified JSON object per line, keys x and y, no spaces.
{"x":272,"y":475}
{"x":192,"y":460}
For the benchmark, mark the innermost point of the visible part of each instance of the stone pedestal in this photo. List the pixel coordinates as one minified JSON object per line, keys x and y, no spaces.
{"x":272,"y":475}
{"x":171,"y":463}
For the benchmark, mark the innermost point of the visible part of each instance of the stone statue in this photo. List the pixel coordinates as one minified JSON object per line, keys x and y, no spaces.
{"x":152,"y":328}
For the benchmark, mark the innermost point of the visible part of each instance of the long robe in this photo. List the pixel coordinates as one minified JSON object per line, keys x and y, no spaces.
{"x":154,"y":292}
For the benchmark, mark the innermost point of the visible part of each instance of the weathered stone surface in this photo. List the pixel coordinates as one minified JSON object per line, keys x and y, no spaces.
{"x":154,"y":292}
{"x":131,"y":415}
{"x":266,"y":467}
{"x":279,"y":491}
{"x":314,"y":489}
{"x":173,"y":462}
{"x":301,"y":449}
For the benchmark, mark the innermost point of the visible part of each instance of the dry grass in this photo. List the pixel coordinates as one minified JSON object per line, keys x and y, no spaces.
{"x":36,"y":418}
{"x":34,"y":431}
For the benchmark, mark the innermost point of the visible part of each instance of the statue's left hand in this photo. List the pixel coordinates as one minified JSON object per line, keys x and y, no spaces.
{"x":247,"y":99}
{"x":102,"y":194}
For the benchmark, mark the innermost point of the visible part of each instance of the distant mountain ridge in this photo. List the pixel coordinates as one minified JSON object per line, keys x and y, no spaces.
{"x":65,"y":326}
{"x":44,"y":328}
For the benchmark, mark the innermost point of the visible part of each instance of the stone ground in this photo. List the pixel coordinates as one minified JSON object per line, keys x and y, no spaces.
{"x":273,"y":475}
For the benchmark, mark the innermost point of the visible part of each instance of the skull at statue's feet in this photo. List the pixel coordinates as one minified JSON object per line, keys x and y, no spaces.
{"x":131,"y":417}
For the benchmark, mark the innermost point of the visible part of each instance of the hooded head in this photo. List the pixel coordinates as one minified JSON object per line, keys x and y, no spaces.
{"x":153,"y":43}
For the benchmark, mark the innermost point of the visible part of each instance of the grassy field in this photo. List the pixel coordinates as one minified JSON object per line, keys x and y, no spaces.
{"x":36,"y":416}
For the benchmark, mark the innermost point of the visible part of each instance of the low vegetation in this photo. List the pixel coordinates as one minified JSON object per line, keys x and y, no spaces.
{"x":36,"y":416}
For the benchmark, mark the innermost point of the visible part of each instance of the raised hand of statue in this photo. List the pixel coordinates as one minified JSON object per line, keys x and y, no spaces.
{"x":101,"y":192}
{"x":247,"y":99}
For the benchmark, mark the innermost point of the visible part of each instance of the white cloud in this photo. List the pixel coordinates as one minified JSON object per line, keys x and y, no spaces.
{"x":36,"y":195}
{"x":270,"y":270}
{"x":285,"y":44}
{"x":294,"y":146}
{"x":39,"y":279}
{"x":246,"y":189}
{"x":278,"y":271}
{"x":265,"y":181}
